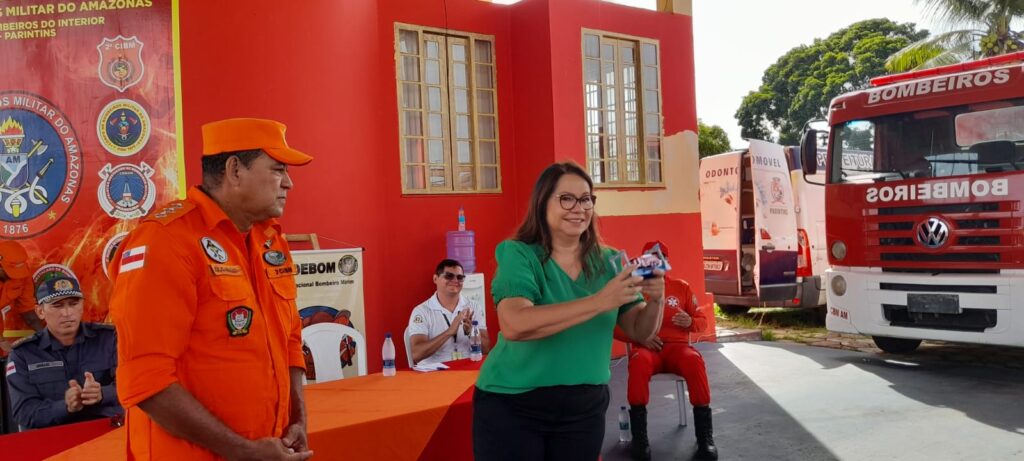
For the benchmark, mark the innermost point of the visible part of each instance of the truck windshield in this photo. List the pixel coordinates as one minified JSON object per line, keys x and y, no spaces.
{"x":964,"y":140}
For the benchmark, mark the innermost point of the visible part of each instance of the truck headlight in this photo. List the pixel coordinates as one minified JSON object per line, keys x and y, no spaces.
{"x":839,"y":250}
{"x":838,"y":285}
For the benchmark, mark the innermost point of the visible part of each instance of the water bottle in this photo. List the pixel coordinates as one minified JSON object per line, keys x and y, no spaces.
{"x":476,"y":349}
{"x":462,"y":219}
{"x":625,"y":435}
{"x":389,"y":355}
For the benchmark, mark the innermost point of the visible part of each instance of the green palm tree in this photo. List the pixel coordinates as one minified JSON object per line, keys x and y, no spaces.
{"x":985,"y":32}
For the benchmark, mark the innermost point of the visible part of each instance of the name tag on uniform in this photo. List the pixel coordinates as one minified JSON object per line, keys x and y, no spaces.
{"x":225,"y":269}
{"x":275,"y":272}
{"x":42,"y":365}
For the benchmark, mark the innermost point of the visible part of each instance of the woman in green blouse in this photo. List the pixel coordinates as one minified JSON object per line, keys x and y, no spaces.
{"x":543,"y":390}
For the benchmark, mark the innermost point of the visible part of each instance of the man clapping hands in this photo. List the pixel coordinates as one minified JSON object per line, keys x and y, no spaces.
{"x":67,"y":347}
{"x":78,"y":397}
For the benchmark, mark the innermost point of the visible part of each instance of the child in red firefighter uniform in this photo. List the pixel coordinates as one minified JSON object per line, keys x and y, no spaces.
{"x":669,"y":351}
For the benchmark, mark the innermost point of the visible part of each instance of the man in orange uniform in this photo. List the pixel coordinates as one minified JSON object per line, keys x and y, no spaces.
{"x":17,"y":297}
{"x":669,"y":351}
{"x":210,"y":343}
{"x":18,"y":302}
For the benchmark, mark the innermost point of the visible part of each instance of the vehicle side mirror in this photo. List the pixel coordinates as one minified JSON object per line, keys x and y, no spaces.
{"x":809,"y":152}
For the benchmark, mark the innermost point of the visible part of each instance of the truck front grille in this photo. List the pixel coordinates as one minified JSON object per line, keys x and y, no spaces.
{"x":983,"y":236}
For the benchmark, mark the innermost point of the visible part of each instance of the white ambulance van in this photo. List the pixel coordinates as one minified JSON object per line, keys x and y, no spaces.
{"x":763,"y":229}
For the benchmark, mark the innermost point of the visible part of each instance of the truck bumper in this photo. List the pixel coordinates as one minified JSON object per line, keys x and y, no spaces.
{"x":771,"y":296}
{"x":880,"y":303}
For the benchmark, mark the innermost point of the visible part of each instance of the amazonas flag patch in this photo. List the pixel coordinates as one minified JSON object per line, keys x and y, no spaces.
{"x":132,"y":259}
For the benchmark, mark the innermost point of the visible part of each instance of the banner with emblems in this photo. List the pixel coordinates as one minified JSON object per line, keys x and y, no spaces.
{"x":330,"y":290}
{"x":89,"y":128}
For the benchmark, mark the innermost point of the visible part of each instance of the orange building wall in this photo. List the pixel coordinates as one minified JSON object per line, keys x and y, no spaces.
{"x":677,"y":222}
{"x":326,"y":69}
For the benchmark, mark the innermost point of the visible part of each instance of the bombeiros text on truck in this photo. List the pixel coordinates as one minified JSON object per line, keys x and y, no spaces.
{"x":924,"y":218}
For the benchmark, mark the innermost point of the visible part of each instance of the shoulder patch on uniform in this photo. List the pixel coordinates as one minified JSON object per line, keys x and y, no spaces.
{"x":25,"y":340}
{"x":172,"y":211}
{"x":132,"y":258}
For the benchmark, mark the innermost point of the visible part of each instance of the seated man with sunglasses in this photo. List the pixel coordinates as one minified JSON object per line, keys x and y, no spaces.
{"x":439,"y":327}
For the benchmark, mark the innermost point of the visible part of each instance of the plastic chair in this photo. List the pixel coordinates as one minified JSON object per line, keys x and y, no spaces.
{"x":680,"y":387}
{"x":408,"y":347}
{"x":324,"y":342}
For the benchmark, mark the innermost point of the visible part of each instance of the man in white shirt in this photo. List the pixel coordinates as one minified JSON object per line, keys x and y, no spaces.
{"x":439,"y":327}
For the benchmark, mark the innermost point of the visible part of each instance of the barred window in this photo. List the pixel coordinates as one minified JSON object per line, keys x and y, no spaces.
{"x":622,"y":104}
{"x":448,"y":111}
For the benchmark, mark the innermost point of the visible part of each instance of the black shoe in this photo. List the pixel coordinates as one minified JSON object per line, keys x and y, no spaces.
{"x":640,"y":449}
{"x":702,"y":427}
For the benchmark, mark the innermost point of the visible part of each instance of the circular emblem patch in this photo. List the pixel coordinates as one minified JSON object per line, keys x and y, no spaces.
{"x":110,"y":251}
{"x":214,"y":250}
{"x":40,"y":164}
{"x":126,"y":191}
{"x":123,"y":127}
{"x":120,"y":69}
{"x":274,"y":257}
{"x":348,"y":265}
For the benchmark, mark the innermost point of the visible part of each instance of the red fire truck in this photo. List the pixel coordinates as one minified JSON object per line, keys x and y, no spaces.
{"x":924,"y":218}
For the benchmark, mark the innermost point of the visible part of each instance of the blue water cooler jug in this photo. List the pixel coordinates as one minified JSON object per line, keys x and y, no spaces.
{"x":461,"y":246}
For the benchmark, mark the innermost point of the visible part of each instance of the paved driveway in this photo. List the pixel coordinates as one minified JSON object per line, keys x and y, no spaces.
{"x":776,"y":401}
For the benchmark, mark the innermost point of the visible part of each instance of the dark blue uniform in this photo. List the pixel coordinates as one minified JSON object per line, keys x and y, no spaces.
{"x":43,"y":367}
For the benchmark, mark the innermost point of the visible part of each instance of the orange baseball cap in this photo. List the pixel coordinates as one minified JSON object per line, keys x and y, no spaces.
{"x":13,"y":259}
{"x":235,"y":134}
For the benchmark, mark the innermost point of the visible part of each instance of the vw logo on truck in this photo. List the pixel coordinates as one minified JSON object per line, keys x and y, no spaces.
{"x":932,"y":233}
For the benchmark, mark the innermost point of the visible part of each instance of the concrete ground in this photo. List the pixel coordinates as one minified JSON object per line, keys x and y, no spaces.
{"x":782,"y":401}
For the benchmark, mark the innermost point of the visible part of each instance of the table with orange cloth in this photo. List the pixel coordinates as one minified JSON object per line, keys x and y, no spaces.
{"x":425,"y":416}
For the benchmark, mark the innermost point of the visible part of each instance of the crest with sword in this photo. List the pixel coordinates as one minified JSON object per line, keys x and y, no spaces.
{"x":19,"y":185}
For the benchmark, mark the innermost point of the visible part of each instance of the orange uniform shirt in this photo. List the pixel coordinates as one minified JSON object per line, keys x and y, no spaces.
{"x":198,"y":303}
{"x":678,"y":297}
{"x":19,"y":296}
